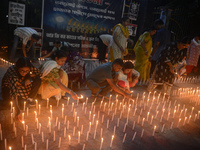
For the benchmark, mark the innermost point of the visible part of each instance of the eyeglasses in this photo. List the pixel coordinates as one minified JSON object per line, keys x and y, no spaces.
{"x":24,"y":71}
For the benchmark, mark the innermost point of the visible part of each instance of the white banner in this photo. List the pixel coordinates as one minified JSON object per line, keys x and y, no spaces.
{"x":16,"y":14}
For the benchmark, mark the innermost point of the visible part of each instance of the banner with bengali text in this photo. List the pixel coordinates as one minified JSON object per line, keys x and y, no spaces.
{"x":80,"y":22}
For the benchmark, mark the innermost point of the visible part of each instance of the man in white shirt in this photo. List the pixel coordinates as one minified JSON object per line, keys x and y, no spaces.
{"x":102,"y":45}
{"x":29,"y":36}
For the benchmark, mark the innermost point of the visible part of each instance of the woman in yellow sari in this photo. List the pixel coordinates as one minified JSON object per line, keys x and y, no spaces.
{"x":117,"y":48}
{"x":143,"y":49}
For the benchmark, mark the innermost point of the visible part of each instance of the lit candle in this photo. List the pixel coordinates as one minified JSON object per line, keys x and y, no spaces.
{"x":195,"y":117}
{"x":147,"y":116}
{"x":83,"y":106}
{"x":90,"y":127}
{"x":179,"y":122}
{"x":185,"y":112}
{"x":69,"y":140}
{"x":72,"y":107}
{"x":154,"y":129}
{"x":192,"y":110}
{"x":51,"y":112}
{"x":111,"y":140}
{"x":36,"y":104}
{"x":184,"y":120}
{"x":138,"y":119}
{"x":174,"y":113}
{"x":35,"y":146}
{"x":23,"y":122}
{"x":67,"y":124}
{"x":22,"y":116}
{"x":47,"y":102}
{"x":62,"y":112}
{"x":77,"y":121}
{"x":68,"y":101}
{"x":93,"y":119}
{"x":5,"y":144}
{"x":101,"y":143}
{"x":39,"y":109}
{"x":11,"y":118}
{"x":143,"y":121}
{"x":24,"y":105}
{"x":79,"y":133}
{"x":59,"y":126}
{"x":102,"y":119}
{"x":189,"y":118}
{"x":32,"y":138}
{"x":81,"y":129}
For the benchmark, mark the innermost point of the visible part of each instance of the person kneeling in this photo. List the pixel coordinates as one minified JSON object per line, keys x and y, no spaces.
{"x":54,"y":79}
{"x":128,"y":77}
{"x":21,"y":83}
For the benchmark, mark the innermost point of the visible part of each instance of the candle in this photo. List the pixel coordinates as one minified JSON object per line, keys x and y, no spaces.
{"x":124,"y":138}
{"x":83,"y":147}
{"x":81,"y":129}
{"x":23,"y":122}
{"x":180,"y":113}
{"x":11,"y":118}
{"x":69,"y":140}
{"x":171,"y":125}
{"x":32,"y":138}
{"x":90,"y":115}
{"x":22,"y":141}
{"x":36,"y":104}
{"x":154,"y":129}
{"x":47,"y":144}
{"x":118,"y":122}
{"x":179,"y":122}
{"x":59,"y":126}
{"x":39,"y":109}
{"x":24,"y":147}
{"x":67,"y":124}
{"x":22,"y":116}
{"x":37,"y":122}
{"x":59,"y":142}
{"x":195,"y":117}
{"x":42,"y":137}
{"x":15,"y":132}
{"x":174,"y":113}
{"x":147,"y":116}
{"x":90,"y":126}
{"x":156,"y":114}
{"x":5,"y":144}
{"x":87,"y":135}
{"x":26,"y":130}
{"x":104,"y":107}
{"x":11,"y":106}
{"x":83,"y":106}
{"x":35,"y":146}
{"x":24,"y":105}
{"x":47,"y":102}
{"x":134,"y":136}
{"x":64,"y":132}
{"x":142,"y":133}
{"x":107,"y":123}
{"x":51,"y":113}
{"x":27,"y":111}
{"x":111,"y":140}
{"x":49,"y":126}
{"x":192,"y":110}
{"x":79,"y":133}
{"x":163,"y":128}
{"x":184,"y":120}
{"x":101,"y":143}
{"x":54,"y":136}
{"x":185,"y":112}
{"x":72,"y":107}
{"x":138,"y":119}
{"x":65,"y":120}
{"x":74,"y":131}
{"x":93,"y":119}
{"x":102,"y":119}
{"x":189,"y":118}
{"x":143,"y":121}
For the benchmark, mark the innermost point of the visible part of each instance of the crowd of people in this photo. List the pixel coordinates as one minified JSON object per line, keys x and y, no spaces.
{"x":156,"y":61}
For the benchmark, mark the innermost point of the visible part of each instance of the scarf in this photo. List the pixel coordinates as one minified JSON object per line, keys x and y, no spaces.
{"x":47,"y":67}
{"x":124,"y":30}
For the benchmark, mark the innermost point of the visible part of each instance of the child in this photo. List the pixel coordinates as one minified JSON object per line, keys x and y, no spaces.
{"x":128,"y":76}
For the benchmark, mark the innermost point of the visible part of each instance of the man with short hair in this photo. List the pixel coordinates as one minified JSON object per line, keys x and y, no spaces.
{"x":29,"y":36}
{"x":105,"y":77}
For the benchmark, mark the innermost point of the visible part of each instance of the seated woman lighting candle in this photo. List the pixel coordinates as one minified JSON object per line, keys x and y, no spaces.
{"x":21,"y":81}
{"x":128,"y":77}
{"x":54,"y":79}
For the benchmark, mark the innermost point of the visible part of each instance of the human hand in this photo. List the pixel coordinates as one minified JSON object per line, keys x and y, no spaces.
{"x":27,"y":82}
{"x":74,"y":95}
{"x":172,"y":70}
